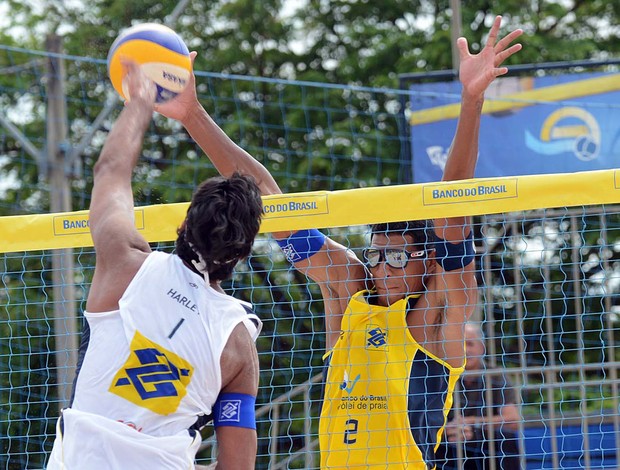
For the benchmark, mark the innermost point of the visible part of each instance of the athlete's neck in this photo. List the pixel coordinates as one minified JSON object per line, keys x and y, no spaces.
{"x":215,"y":285}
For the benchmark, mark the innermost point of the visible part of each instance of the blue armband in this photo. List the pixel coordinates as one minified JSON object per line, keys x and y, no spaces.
{"x":235,"y":409}
{"x":451,"y":256}
{"x":302,"y":244}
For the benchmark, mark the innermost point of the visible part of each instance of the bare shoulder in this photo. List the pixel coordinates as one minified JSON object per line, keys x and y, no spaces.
{"x":239,"y":363}
{"x":111,"y":279}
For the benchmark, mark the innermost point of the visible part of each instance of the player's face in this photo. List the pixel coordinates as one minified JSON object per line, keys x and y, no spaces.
{"x":397,"y":266}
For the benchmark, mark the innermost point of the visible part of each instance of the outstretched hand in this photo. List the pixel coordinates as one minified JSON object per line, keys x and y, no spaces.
{"x":137,"y":85}
{"x":477,"y":71}
{"x":179,"y":107}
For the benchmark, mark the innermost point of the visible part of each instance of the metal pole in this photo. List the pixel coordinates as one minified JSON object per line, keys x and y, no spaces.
{"x":518,"y":279}
{"x":579,"y":326}
{"x":609,"y":329}
{"x":29,"y":147}
{"x":65,"y":322}
{"x":456,"y":31}
{"x":309,"y":459}
{"x":273,"y":436}
{"x":490,"y":349}
{"x":549,"y":372}
{"x":172,"y":19}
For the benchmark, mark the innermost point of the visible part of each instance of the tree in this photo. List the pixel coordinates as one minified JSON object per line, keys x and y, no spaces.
{"x":316,"y":134}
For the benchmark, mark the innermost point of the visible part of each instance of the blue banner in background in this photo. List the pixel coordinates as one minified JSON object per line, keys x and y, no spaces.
{"x":557,"y":124}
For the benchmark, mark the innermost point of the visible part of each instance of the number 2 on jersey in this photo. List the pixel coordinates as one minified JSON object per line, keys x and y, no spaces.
{"x":350,"y":431}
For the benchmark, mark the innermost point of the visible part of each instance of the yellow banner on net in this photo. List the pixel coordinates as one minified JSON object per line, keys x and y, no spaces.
{"x":327,"y":209}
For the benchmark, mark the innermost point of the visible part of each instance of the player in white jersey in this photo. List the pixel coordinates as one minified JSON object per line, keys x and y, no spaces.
{"x":164,"y":349}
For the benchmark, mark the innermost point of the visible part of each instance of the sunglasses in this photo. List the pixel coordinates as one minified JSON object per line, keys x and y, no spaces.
{"x":392,"y":256}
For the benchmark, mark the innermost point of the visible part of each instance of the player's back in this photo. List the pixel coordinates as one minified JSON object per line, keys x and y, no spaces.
{"x":150,"y":370}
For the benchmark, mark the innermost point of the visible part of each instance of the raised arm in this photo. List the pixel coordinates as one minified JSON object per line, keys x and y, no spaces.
{"x":335,"y":268}
{"x":225,"y":154}
{"x":476,"y":73}
{"x":120,"y":249}
{"x":455,"y":250}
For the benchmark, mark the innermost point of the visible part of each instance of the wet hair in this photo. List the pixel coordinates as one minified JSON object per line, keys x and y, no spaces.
{"x":421,"y":231}
{"x":221,"y":224}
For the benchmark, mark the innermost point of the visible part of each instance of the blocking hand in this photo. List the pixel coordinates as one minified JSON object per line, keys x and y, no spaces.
{"x":477,"y":71}
{"x":137,"y":85}
{"x":179,"y":107}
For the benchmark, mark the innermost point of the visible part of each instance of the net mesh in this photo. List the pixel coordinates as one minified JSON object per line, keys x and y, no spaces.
{"x":547,"y":274}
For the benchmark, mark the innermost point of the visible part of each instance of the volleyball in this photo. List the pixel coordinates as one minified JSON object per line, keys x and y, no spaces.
{"x":161,"y":53}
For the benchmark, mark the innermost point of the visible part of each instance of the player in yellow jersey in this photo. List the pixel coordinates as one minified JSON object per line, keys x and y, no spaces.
{"x":394,"y":321}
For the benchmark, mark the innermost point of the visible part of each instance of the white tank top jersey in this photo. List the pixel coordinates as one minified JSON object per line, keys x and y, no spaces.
{"x":149,"y":372}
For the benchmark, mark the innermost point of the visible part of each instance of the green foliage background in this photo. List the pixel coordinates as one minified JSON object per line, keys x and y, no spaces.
{"x":326,"y":136}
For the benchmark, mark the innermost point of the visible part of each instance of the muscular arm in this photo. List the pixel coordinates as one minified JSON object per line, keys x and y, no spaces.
{"x":476,"y":74}
{"x":336,"y":269}
{"x":332,"y":263}
{"x":236,"y":446}
{"x":120,"y":249}
{"x":226,"y":155}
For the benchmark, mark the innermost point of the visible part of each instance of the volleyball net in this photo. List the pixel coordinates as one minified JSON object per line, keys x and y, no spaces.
{"x":548,"y":282}
{"x":547,"y":262}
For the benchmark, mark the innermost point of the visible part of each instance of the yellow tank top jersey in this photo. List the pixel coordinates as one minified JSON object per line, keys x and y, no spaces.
{"x":386,"y":398}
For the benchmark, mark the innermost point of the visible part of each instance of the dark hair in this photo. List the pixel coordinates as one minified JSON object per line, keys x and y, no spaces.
{"x":421,"y":231}
{"x":221,"y":224}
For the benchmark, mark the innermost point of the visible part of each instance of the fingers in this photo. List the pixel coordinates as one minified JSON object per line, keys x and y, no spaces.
{"x":460,"y":433}
{"x":192,"y":58}
{"x":500,"y":71}
{"x":129,"y":65}
{"x":505,"y":41}
{"x":502,"y":48}
{"x":138,"y":84}
{"x":502,"y":56}
{"x":494,"y":31}
{"x":509,"y":38}
{"x":463,"y":47}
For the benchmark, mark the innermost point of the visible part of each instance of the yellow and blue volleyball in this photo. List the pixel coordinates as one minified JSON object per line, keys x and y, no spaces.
{"x":161,"y":53}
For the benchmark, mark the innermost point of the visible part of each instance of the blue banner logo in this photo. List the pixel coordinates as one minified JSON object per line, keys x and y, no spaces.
{"x":542,"y":125}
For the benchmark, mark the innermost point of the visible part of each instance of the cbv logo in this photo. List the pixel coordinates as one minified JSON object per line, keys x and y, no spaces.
{"x":348,"y":385}
{"x":376,"y":338}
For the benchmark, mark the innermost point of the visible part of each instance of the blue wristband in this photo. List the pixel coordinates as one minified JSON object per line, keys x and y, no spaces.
{"x":302,"y":244}
{"x":235,"y":409}
{"x":451,"y":256}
